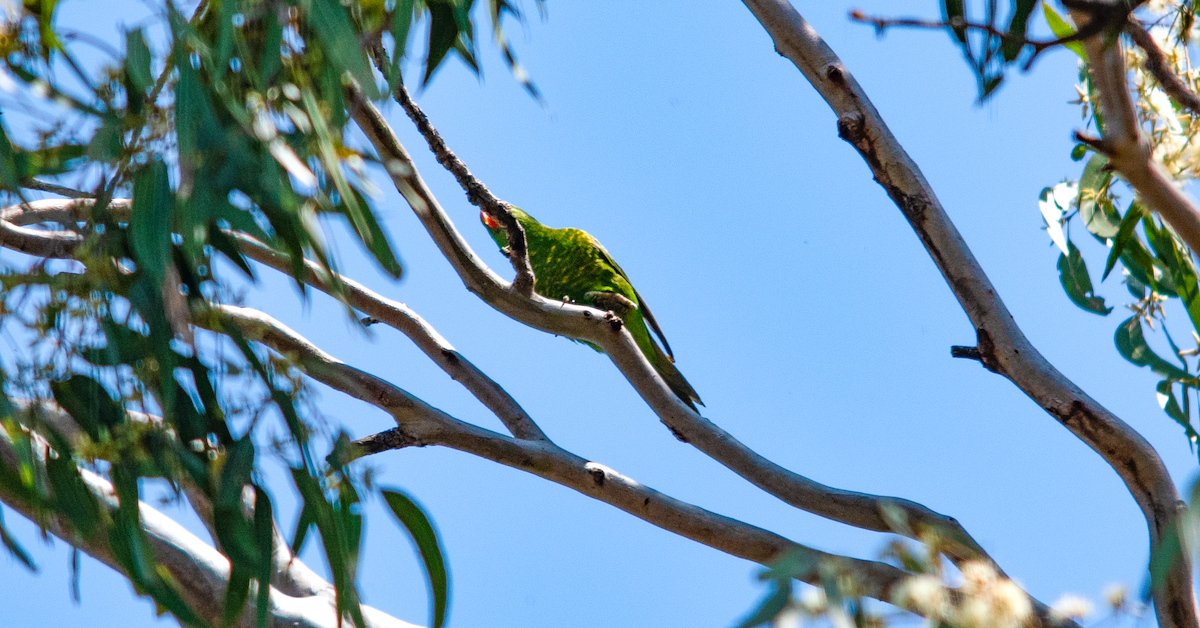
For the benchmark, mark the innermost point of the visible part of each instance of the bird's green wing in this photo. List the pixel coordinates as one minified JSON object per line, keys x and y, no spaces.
{"x":647,"y":315}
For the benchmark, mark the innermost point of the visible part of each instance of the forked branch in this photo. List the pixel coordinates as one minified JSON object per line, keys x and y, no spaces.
{"x":852,"y":508}
{"x":1002,"y":346}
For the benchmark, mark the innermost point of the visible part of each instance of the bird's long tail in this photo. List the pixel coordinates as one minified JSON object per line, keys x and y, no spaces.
{"x":674,"y":379}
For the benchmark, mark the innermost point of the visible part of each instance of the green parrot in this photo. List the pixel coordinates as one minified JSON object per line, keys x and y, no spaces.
{"x":570,"y":265}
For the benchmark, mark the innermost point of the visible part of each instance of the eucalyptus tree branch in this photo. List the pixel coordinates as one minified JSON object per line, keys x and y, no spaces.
{"x":421,"y":425}
{"x":540,"y":457}
{"x":393,"y":313}
{"x":1160,"y":69}
{"x":1003,"y":348}
{"x":399,"y":316}
{"x":199,"y":570}
{"x":860,"y":510}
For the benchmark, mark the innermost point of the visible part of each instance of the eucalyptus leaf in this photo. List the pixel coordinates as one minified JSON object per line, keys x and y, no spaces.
{"x":1131,"y":344}
{"x":1073,"y":274}
{"x":417,"y":523}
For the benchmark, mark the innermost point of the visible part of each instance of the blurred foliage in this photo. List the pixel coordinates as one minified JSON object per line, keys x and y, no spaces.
{"x":233,"y":125}
{"x":993,"y":40}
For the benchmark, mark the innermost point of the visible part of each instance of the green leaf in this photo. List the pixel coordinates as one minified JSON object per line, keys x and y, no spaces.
{"x":1079,"y":152}
{"x":443,"y":34}
{"x":226,"y":245}
{"x":375,"y":239}
{"x":1099,"y":215}
{"x":402,"y":17}
{"x":1170,"y":405}
{"x":151,"y":220}
{"x":1073,"y":273}
{"x":1022,"y":9}
{"x":796,"y":563}
{"x":51,"y":161}
{"x":1062,"y":30}
{"x":89,"y":404}
{"x":1180,"y":269}
{"x":953,"y":10}
{"x":13,"y":547}
{"x":332,"y":24}
{"x":1126,"y":230}
{"x":771,"y":606}
{"x":1131,"y":344}
{"x":105,"y":144}
{"x":418,"y":525}
{"x":264,"y":536}
{"x":72,"y":496}
{"x":137,"y":60}
{"x":8,"y":170}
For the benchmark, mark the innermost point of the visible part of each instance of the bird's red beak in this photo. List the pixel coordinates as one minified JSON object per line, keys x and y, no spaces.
{"x":488,"y":221}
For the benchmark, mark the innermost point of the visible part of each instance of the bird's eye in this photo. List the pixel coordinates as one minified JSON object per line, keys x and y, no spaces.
{"x":488,"y":221}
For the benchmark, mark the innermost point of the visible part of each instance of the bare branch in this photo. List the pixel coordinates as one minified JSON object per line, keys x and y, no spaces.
{"x":34,"y":184}
{"x":860,"y":510}
{"x":857,"y":509}
{"x":1003,"y":348}
{"x":421,"y":425}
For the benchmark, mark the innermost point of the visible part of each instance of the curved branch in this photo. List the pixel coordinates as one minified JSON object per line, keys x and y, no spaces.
{"x":421,"y":425}
{"x":1003,"y":348}
{"x":424,"y":425}
{"x":860,"y":510}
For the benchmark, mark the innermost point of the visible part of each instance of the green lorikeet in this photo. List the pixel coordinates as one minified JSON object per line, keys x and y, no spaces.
{"x":570,"y":265}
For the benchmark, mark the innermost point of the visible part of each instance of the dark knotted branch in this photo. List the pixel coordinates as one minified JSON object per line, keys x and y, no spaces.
{"x":1160,"y":69}
{"x":1003,"y":348}
{"x":852,"y":508}
{"x":477,"y":193}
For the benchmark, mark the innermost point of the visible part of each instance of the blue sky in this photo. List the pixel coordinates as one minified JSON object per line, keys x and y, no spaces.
{"x":798,"y":302}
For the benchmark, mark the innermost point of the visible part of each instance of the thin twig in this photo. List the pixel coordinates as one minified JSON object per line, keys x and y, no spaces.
{"x":34,"y":184}
{"x":477,"y":193}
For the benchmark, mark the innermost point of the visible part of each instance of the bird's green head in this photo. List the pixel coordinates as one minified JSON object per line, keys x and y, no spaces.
{"x":496,"y":230}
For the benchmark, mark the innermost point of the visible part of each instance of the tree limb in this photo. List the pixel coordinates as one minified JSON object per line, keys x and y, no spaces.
{"x":860,"y":510}
{"x":1003,"y":348}
{"x":421,"y":425}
